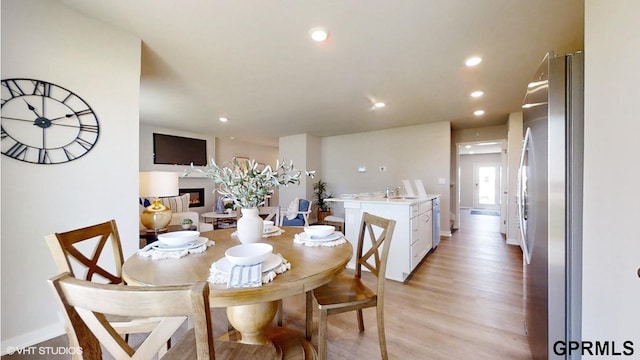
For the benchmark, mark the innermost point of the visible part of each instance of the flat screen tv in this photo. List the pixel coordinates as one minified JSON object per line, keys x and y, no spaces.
{"x":177,"y":150}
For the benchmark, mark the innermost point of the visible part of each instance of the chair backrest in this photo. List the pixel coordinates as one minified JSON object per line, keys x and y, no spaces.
{"x":86,"y":305}
{"x":272,"y":213}
{"x":379,"y":231}
{"x":302,"y":219}
{"x":85,"y":246}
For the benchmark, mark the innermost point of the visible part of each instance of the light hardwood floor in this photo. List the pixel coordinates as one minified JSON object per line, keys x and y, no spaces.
{"x":463,"y":302}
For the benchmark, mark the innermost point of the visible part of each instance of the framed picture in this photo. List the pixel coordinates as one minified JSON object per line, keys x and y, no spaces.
{"x":242,"y":161}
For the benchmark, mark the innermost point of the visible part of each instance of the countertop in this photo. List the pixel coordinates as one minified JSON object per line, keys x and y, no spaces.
{"x":401,"y":200}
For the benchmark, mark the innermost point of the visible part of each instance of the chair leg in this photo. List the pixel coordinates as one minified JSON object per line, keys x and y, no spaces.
{"x":360,"y":320}
{"x":381,"y":336}
{"x":322,"y":335}
{"x":309,"y":316}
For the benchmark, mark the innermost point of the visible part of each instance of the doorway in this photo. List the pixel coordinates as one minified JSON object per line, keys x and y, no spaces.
{"x":481,"y":184}
{"x":486,"y":185}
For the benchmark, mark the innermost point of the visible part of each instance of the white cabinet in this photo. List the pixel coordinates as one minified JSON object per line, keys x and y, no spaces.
{"x":421,"y":233}
{"x":413,"y":235}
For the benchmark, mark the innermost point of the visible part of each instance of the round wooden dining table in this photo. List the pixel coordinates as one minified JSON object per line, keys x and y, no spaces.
{"x":249,"y":310}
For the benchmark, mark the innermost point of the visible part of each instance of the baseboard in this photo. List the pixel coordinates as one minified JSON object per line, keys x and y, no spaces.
{"x":32,"y":338}
{"x":445,"y":234}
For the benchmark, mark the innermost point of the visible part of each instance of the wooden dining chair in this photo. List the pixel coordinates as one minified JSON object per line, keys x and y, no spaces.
{"x":271,"y":213}
{"x":86,"y":304}
{"x":86,"y":250}
{"x":349,"y":293}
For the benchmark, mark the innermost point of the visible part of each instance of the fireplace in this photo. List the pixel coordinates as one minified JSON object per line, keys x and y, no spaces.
{"x":196,"y":196}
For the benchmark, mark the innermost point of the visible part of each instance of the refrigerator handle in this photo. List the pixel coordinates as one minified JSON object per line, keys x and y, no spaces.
{"x":522,"y":206}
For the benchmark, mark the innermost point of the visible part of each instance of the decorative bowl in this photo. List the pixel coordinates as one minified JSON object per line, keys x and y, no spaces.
{"x":319,"y":230}
{"x":248,"y":254}
{"x":178,"y":238}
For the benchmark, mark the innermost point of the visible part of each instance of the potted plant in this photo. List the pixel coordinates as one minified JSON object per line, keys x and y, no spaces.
{"x":320,"y":194}
{"x":186,"y":223}
{"x":248,"y":187}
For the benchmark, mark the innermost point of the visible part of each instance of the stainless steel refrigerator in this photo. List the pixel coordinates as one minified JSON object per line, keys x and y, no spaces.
{"x":550,"y":205}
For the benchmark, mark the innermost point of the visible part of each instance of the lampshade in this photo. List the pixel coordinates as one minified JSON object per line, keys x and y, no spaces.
{"x":158,"y":184}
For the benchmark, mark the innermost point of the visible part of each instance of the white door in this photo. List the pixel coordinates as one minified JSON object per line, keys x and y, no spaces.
{"x":486,"y":186}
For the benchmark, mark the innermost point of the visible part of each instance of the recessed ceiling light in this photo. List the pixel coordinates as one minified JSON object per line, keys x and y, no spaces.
{"x":319,"y":34}
{"x":379,"y":105}
{"x":477,"y":94}
{"x":471,"y":152}
{"x":223,"y":119}
{"x":478,"y":112}
{"x":473,"y":61}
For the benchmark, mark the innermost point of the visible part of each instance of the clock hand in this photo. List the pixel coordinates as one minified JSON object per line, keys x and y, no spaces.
{"x":17,"y":119}
{"x":62,"y":117}
{"x":32,"y":108}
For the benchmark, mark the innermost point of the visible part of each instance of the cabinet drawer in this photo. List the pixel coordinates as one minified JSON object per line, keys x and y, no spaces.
{"x":414,"y":210}
{"x":425,"y":206}
{"x":415,"y":229}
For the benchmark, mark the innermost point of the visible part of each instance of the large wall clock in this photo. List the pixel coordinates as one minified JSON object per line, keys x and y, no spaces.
{"x":43,"y":123}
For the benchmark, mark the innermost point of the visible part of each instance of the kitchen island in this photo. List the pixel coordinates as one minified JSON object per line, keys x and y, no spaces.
{"x":413,"y":237}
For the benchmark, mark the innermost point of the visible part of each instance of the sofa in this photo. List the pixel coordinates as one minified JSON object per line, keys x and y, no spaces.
{"x":179,"y":206}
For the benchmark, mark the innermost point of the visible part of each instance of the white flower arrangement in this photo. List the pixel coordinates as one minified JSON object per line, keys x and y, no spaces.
{"x":248,"y":186}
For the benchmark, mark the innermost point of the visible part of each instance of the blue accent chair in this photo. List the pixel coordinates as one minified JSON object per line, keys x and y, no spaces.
{"x":303,"y":215}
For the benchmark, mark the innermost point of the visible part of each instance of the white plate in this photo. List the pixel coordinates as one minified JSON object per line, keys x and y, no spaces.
{"x":305,"y":237}
{"x":272,"y":261}
{"x":162,"y":247}
{"x":271,"y":230}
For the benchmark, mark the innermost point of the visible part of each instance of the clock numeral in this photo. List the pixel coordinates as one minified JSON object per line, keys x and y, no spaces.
{"x":84,"y":143}
{"x":83,"y":112}
{"x":89,"y":128}
{"x":41,"y":88}
{"x":18,"y":151}
{"x":69,"y":154}
{"x":44,"y":157}
{"x":14,"y":89}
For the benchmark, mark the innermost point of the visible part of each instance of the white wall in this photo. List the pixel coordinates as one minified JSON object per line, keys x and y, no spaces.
{"x":44,"y":40}
{"x":412,"y":152}
{"x":514,"y":149}
{"x":303,"y":150}
{"x":611,"y":246}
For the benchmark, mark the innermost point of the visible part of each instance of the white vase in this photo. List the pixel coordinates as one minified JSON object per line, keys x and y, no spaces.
{"x":250,"y":226}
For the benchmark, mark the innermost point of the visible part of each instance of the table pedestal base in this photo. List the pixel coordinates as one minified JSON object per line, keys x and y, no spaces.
{"x":250,"y":321}
{"x":289,"y":344}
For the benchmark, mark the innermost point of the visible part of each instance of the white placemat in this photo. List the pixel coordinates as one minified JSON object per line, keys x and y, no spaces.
{"x":216,"y":276}
{"x":299,"y":240}
{"x":157,"y":254}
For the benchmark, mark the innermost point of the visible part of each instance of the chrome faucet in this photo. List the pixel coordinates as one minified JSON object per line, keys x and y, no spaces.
{"x":392,"y":192}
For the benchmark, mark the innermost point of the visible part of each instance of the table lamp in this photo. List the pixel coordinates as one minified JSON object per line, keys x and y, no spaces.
{"x":156,"y":184}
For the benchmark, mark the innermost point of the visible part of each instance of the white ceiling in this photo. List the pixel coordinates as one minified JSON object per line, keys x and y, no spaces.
{"x":253,"y":62}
